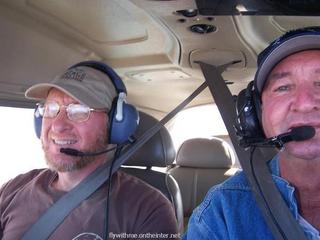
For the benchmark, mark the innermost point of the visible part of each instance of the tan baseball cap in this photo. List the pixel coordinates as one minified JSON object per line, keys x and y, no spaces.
{"x":85,"y":84}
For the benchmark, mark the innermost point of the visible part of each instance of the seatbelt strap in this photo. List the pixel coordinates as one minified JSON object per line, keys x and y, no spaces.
{"x":54,"y":216}
{"x":274,"y":209}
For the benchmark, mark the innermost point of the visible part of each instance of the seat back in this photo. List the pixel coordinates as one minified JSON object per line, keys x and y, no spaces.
{"x":200,"y":164}
{"x":157,"y":152}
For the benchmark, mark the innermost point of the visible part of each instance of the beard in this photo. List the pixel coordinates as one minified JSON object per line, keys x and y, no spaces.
{"x":71,"y":163}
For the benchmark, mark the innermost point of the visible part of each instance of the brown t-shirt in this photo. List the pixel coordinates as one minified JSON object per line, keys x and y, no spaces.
{"x":136,"y":211}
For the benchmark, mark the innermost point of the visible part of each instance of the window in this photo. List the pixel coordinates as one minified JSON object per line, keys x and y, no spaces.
{"x":21,"y":149}
{"x":201,"y":121}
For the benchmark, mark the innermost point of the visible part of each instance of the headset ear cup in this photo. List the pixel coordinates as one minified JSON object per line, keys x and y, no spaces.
{"x":120,"y":131}
{"x":37,"y":121}
{"x":257,"y":104}
{"x":248,"y":121}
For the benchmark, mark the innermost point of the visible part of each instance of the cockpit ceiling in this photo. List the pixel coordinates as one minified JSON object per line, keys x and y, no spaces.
{"x":142,"y":39}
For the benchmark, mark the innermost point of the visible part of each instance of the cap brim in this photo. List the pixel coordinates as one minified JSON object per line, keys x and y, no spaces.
{"x":40,"y":92}
{"x":291,"y":46}
{"x":87,"y":85}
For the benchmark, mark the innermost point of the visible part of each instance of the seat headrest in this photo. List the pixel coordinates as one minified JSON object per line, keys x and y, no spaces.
{"x":158,"y":151}
{"x":205,"y":153}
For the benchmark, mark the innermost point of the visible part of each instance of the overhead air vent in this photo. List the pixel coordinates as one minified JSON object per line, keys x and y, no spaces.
{"x":188,"y":12}
{"x":203,"y":28}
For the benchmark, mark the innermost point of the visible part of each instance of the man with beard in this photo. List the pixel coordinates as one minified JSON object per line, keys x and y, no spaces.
{"x":74,"y":114}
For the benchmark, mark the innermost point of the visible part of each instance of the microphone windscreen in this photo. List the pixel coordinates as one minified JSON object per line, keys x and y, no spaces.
{"x":302,"y":133}
{"x":71,"y":152}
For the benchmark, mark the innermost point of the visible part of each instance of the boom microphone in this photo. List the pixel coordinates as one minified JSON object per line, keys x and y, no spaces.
{"x":296,"y":134}
{"x":77,"y":153}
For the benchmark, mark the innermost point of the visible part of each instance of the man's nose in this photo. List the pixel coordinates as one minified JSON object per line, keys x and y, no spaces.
{"x":61,"y":122}
{"x":306,"y":99}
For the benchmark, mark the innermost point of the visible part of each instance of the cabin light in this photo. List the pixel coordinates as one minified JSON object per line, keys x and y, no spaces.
{"x":241,"y":8}
{"x":158,"y":75}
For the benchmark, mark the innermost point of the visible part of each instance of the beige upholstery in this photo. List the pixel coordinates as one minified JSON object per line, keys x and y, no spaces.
{"x":157,"y":152}
{"x":200,"y":164}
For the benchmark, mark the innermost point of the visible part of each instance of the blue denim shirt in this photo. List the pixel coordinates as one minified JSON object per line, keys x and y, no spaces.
{"x":229,"y":211}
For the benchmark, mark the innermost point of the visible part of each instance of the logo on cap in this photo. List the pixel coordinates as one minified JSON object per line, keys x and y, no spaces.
{"x":74,"y":74}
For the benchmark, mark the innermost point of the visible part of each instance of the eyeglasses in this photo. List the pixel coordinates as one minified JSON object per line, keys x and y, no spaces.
{"x":75,"y":112}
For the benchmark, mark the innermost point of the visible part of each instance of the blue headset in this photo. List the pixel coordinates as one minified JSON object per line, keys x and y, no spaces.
{"x":123,"y":117}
